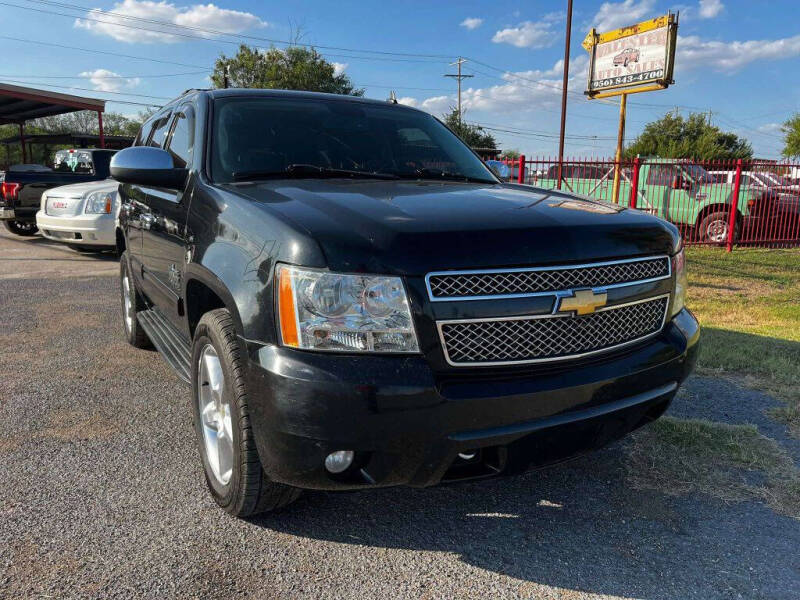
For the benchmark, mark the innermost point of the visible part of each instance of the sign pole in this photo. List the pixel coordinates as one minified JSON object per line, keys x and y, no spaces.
{"x":564,"y":84}
{"x":620,"y":140}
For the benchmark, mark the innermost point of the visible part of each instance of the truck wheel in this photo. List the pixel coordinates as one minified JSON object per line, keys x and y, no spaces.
{"x":714,"y":228}
{"x":24,"y":228}
{"x":132,"y":303}
{"x":232,"y":467}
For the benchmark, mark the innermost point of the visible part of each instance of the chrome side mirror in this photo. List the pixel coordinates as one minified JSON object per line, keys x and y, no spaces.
{"x":147,"y":166}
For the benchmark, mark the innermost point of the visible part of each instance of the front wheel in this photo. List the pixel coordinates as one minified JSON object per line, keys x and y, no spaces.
{"x":132,"y":303}
{"x":232,"y":467}
{"x":23,"y":228}
{"x":714,"y":228}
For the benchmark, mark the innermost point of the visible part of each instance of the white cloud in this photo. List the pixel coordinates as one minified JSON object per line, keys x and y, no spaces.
{"x":692,"y":52}
{"x":339,"y":68}
{"x":408,"y":101}
{"x":613,"y":15}
{"x":104,"y":80}
{"x":207,"y":16}
{"x":770,"y":127}
{"x":527,"y":35}
{"x":710,"y":8}
{"x":471,"y":23}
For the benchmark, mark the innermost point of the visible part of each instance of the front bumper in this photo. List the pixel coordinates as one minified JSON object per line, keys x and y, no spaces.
{"x":83,"y":230}
{"x":408,"y":424}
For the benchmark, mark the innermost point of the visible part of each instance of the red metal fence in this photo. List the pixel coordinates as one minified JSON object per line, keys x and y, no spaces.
{"x":759,"y":201}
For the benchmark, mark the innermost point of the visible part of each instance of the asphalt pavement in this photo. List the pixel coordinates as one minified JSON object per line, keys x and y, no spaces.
{"x":102,"y":494}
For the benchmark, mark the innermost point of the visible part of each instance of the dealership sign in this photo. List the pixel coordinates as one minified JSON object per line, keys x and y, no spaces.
{"x":635,"y":58}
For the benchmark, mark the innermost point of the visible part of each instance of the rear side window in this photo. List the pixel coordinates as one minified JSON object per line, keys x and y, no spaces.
{"x":661,"y":174}
{"x":181,"y":142}
{"x":160,"y":131}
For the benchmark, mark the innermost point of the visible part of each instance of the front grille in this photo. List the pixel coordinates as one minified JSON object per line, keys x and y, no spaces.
{"x":62,"y":207}
{"x":511,"y":282}
{"x":550,"y":337}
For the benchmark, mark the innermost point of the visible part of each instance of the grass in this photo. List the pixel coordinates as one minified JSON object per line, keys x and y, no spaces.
{"x":729,"y":462}
{"x":748,"y":302}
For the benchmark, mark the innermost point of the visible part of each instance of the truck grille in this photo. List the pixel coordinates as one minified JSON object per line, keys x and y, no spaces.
{"x":466,"y":285}
{"x":550,"y":337}
{"x":62,"y":207}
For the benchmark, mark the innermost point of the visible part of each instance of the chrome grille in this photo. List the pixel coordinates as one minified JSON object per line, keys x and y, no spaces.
{"x":62,"y":207}
{"x":466,"y":285}
{"x":550,"y":337}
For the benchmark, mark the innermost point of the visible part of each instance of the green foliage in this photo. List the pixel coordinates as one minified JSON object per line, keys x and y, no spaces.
{"x":513,"y":153}
{"x":295,"y":68}
{"x":473,"y":135}
{"x":791,"y":140}
{"x":672,"y":136}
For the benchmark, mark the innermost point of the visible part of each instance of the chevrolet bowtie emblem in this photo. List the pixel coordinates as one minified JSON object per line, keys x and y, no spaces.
{"x":582,"y":302}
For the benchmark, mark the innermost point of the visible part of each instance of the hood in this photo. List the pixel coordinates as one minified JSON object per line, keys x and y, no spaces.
{"x":411,"y":228}
{"x":76,"y":190}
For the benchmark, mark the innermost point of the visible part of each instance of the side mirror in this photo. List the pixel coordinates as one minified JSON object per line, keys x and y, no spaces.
{"x":679,"y":183}
{"x":144,"y":165}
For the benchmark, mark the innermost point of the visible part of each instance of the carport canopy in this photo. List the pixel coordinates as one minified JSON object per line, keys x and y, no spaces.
{"x":18,"y":104}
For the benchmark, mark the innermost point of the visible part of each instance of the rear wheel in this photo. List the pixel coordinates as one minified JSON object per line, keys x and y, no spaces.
{"x":24,"y":228}
{"x":132,"y":303}
{"x":232,"y":467}
{"x":714,"y":228}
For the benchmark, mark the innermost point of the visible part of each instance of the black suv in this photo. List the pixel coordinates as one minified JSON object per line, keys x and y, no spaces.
{"x":357,"y":301}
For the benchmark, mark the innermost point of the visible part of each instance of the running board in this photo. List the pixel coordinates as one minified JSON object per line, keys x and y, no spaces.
{"x":169,"y":342}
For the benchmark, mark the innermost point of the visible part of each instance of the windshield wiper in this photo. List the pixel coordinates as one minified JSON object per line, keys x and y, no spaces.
{"x":301,"y":170}
{"x":439,"y":174}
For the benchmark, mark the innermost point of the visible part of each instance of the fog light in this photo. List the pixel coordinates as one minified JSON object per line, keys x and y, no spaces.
{"x":339,"y":461}
{"x":467,"y":455}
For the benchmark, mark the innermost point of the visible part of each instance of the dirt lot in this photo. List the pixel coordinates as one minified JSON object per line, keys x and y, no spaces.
{"x":101,"y":491}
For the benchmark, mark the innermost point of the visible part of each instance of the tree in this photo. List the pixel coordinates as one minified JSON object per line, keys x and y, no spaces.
{"x":86,"y":122}
{"x":513,"y":153}
{"x":672,"y":136}
{"x":473,"y":135}
{"x":295,"y":68}
{"x":791,"y":140}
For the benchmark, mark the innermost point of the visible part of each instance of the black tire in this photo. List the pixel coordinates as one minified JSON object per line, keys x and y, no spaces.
{"x":130,"y":324}
{"x":23,"y":228}
{"x":249,"y":491}
{"x":714,"y":228}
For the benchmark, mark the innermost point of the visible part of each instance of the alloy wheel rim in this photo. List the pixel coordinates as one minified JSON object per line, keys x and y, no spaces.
{"x":215,"y":415}
{"x":717,"y":231}
{"x":128,"y":301}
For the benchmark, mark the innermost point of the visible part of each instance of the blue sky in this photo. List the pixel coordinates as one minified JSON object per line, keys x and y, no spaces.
{"x":738,"y":59}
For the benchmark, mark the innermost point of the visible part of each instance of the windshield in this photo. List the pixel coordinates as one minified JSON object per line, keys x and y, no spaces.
{"x":698,"y":173}
{"x":266,"y":137}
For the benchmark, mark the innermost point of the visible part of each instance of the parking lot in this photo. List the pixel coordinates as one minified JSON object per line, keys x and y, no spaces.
{"x":101,"y":490}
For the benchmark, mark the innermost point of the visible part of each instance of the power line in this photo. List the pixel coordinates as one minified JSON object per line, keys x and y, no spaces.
{"x":68,"y":87}
{"x":174,"y":26}
{"x":96,"y":51}
{"x":458,"y":77}
{"x":104,"y":76}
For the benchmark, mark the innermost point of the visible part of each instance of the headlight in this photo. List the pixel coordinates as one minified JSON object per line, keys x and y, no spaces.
{"x":681,"y":283}
{"x":99,"y":203}
{"x":318,"y":310}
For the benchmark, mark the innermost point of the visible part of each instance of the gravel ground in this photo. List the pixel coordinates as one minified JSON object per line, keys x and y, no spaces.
{"x":102,"y":496}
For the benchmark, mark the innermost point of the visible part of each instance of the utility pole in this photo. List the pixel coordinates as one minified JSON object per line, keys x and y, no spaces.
{"x":564,"y":83}
{"x":225,"y":77}
{"x":458,"y":76}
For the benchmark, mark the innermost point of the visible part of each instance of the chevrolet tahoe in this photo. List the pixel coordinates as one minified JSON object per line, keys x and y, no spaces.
{"x":356,"y":301}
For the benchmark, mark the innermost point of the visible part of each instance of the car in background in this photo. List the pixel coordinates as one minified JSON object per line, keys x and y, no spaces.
{"x":21,"y":190}
{"x":629,"y":55}
{"x":83,"y":215}
{"x":761,"y":179}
